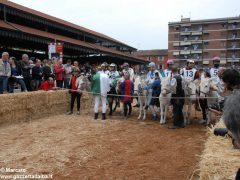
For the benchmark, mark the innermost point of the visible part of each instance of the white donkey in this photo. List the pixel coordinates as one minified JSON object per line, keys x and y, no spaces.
{"x":164,"y":98}
{"x":208,"y":90}
{"x":190,"y":89}
{"x":139,"y":85}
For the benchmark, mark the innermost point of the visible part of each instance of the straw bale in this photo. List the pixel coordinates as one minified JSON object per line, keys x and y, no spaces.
{"x":219,"y":159}
{"x":21,"y":107}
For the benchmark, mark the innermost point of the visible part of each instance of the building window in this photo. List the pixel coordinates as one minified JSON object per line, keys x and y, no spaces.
{"x":206,"y":43}
{"x":196,"y":38}
{"x":176,"y":36}
{"x":223,"y":54}
{"x":224,"y":25}
{"x":195,"y":47}
{"x":223,"y":44}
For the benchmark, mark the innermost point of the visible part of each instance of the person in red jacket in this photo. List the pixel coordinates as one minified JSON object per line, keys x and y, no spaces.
{"x":48,"y":85}
{"x":75,"y":91}
{"x":59,"y":73}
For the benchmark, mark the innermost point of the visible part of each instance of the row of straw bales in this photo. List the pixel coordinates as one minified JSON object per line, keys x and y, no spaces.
{"x":20,"y":107}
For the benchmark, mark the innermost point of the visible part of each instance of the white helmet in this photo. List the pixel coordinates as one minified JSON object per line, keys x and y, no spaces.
{"x":112,"y":65}
{"x":190,"y":61}
{"x":152,"y":65}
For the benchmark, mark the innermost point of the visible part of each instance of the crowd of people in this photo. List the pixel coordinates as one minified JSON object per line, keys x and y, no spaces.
{"x":34,"y":74}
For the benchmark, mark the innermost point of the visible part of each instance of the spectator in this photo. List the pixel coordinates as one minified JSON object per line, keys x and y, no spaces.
{"x":177,"y":101}
{"x":47,"y":70}
{"x":15,"y":76}
{"x":75,"y":66}
{"x":203,"y":101}
{"x":127,"y":89}
{"x":37,"y":73}
{"x":156,"y":90}
{"x":26,"y":67}
{"x":231,"y":116}
{"x":75,"y":91}
{"x":67,"y":73}
{"x":59,"y":76}
{"x":48,"y":85}
{"x":5,"y":72}
{"x":231,"y":79}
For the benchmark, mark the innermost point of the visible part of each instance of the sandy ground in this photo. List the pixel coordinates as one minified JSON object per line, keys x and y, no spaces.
{"x":78,"y":147}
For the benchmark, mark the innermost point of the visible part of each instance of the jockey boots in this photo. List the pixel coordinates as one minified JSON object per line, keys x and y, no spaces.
{"x":96,"y":116}
{"x":103,"y":116}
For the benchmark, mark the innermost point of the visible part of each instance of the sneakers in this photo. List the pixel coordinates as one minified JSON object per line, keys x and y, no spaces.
{"x":203,"y":121}
{"x":69,"y":113}
{"x":78,"y":113}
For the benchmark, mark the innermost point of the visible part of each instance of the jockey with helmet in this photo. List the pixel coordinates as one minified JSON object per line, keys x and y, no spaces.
{"x":168,"y":71}
{"x":104,"y":68}
{"x":128,"y":70}
{"x":149,"y":81}
{"x":113,"y":74}
{"x":214,"y":70}
{"x":190,"y":73}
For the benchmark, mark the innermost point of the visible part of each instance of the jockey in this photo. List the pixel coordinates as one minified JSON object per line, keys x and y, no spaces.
{"x":151,"y":74}
{"x":127,"y":69}
{"x":214,"y":70}
{"x":168,"y":71}
{"x":104,"y":69}
{"x":190,"y":73}
{"x":100,"y":86}
{"x":113,"y":74}
{"x":149,"y":81}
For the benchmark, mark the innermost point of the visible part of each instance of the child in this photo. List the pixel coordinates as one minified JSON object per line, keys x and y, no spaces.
{"x":75,"y":91}
{"x":156,"y":90}
{"x":127,"y":89}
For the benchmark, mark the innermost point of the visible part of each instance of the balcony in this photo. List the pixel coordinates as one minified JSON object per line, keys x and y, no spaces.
{"x":233,"y":27}
{"x":196,"y":42}
{"x":197,"y":33}
{"x":176,"y":44}
{"x":185,"y":33}
{"x":176,"y":53}
{"x":185,"y":43}
{"x":233,"y":60}
{"x":184,"y":52}
{"x":234,"y":37}
{"x":196,"y":52}
{"x":233,"y":47}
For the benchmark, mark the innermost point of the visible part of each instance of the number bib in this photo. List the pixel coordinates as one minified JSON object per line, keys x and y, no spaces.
{"x":167,"y":73}
{"x":189,"y":74}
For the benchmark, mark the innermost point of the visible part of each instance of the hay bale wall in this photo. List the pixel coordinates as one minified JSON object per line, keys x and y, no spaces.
{"x":219,"y":159}
{"x":21,"y":107}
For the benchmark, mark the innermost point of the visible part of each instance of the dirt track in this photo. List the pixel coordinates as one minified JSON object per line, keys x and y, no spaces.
{"x":77,"y":147}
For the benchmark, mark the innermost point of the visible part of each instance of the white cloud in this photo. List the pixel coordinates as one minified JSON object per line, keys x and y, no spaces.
{"x":139,"y":23}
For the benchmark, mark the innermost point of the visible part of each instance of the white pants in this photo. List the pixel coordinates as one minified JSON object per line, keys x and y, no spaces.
{"x":104,"y":103}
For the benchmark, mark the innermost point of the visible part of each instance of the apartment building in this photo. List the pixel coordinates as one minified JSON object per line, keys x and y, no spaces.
{"x":201,"y":40}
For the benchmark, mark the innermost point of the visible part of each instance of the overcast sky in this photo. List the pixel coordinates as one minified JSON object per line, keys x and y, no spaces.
{"x":140,"y":23}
